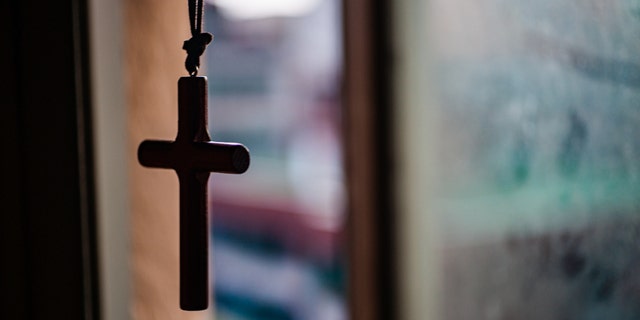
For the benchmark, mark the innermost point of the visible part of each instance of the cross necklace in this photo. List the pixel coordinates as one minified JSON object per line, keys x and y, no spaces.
{"x":194,"y":156}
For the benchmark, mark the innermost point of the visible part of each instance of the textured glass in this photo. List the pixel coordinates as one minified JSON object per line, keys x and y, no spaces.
{"x":539,"y":157}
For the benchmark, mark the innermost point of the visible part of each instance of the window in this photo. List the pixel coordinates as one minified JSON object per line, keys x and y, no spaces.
{"x":522,"y":177}
{"x":275,"y":81}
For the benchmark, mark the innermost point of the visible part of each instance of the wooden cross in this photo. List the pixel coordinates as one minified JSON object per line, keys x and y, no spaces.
{"x":193,"y":156}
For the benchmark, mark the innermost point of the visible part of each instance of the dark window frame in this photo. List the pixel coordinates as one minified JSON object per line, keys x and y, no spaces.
{"x":369,"y":159}
{"x":47,"y":222}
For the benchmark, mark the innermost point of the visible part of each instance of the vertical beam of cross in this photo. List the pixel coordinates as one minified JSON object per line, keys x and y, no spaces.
{"x":193,"y":156}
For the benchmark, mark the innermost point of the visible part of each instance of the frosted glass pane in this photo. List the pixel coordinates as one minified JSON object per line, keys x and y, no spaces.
{"x":538,"y":166}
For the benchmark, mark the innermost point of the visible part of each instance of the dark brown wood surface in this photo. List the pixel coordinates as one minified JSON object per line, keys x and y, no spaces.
{"x":369,"y":134}
{"x":193,"y":156}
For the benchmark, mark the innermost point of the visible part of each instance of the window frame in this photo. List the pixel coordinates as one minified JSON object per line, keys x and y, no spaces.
{"x":369,"y":159}
{"x":47,"y":229}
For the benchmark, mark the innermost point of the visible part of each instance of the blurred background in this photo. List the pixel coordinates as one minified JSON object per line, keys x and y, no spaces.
{"x":275,"y":77}
{"x":505,"y":137}
{"x":529,"y":159}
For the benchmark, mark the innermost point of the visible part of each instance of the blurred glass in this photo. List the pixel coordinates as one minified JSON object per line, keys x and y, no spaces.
{"x":274,"y":72}
{"x":538,"y":176}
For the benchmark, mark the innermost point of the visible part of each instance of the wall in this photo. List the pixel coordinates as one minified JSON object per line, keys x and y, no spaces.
{"x":109,"y":119}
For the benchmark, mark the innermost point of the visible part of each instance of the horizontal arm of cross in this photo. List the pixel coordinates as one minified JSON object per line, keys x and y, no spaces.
{"x":203,"y":156}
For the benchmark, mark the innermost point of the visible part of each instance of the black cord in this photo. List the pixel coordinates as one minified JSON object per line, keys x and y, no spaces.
{"x":195,"y":16}
{"x":198,"y":43}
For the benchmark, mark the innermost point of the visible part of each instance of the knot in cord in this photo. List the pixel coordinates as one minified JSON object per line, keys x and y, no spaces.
{"x":195,"y":48}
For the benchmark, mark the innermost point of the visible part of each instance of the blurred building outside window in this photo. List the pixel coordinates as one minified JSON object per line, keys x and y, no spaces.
{"x":274,"y":78}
